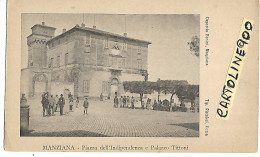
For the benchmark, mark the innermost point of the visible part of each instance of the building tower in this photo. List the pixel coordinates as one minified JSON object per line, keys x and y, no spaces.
{"x":37,"y":45}
{"x":36,"y":77}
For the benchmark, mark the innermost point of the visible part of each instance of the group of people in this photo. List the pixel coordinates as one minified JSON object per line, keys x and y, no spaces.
{"x":51,"y":104}
{"x":71,"y":102}
{"x":129,"y":102}
{"x":124,"y":102}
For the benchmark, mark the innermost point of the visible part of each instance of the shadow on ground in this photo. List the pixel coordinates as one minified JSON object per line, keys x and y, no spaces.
{"x":193,"y":126}
{"x":76,"y":133}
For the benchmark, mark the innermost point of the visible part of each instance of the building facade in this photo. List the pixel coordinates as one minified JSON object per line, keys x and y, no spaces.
{"x":84,"y":61}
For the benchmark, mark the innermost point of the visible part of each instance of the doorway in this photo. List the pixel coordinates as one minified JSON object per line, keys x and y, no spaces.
{"x":39,"y":84}
{"x":114,"y":87}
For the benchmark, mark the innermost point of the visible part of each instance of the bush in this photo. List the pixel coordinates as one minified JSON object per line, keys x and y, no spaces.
{"x":183,"y":109}
{"x":180,"y":109}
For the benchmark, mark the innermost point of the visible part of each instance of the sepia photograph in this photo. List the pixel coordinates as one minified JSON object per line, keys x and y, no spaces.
{"x":110,"y":75}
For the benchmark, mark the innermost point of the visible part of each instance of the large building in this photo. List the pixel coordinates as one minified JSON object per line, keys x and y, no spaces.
{"x":84,"y":61}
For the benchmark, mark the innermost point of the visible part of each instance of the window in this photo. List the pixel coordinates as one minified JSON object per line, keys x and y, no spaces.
{"x":87,"y":48}
{"x":87,"y":44}
{"x":139,"y":64}
{"x":66,"y":58}
{"x":87,"y":39}
{"x":30,"y":60}
{"x":51,"y":63}
{"x":109,"y":61}
{"x":123,"y":63}
{"x":124,"y":46}
{"x":105,"y":60}
{"x":45,"y":60}
{"x":114,"y":61}
{"x":139,"y":49}
{"x":87,"y":60}
{"x":106,"y":43}
{"x":58,"y":61}
{"x":86,"y":86}
{"x":90,"y":39}
{"x":139,"y":57}
{"x":105,"y":86}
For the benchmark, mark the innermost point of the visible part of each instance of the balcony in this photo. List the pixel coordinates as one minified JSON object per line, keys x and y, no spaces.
{"x":114,"y":52}
{"x":143,"y":72}
{"x":87,"y":48}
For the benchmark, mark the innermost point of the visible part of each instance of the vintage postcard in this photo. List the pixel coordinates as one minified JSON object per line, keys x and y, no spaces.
{"x":132,"y":76}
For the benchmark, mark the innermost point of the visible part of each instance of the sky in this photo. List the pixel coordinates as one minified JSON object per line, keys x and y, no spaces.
{"x":169,"y":57}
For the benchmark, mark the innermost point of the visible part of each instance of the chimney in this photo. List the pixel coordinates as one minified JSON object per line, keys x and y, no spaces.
{"x":125,"y":34}
{"x":94,"y":27}
{"x":82,"y":25}
{"x":43,"y":23}
{"x":63,"y":30}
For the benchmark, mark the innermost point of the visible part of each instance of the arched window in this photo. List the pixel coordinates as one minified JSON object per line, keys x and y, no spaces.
{"x":58,"y":61}
{"x":66,"y":58}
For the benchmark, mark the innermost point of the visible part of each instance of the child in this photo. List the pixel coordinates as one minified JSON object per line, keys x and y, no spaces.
{"x":71,"y":105}
{"x":85,"y":105}
{"x":77,"y":102}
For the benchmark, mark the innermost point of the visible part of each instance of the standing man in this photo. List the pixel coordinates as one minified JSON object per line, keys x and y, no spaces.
{"x":121,"y":101}
{"x":171,"y":104}
{"x":77,"y":102}
{"x":115,"y":102}
{"x":133,"y":102}
{"x":101,"y":97}
{"x":52,"y":104}
{"x":71,"y":105}
{"x":127,"y":102}
{"x":71,"y":98}
{"x":45,"y":104}
{"x":61,"y":104}
{"x":57,"y":102}
{"x":85,"y":105}
{"x":124,"y":102}
{"x":69,"y":95}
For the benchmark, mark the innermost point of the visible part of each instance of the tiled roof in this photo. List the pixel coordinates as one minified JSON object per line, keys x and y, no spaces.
{"x":99,"y":32}
{"x":43,"y":26}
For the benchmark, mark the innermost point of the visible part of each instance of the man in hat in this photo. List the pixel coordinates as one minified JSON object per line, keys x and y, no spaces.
{"x":127,"y":102}
{"x":101,"y":97}
{"x":45,"y":104}
{"x":124,"y":101}
{"x":116,"y":102}
{"x":133,"y":102}
{"x":85,"y":105}
{"x":121,"y":101}
{"x":61,"y":104}
{"x":77,"y":102}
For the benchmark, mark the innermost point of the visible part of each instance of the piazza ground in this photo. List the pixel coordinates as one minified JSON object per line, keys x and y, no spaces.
{"x":105,"y":121}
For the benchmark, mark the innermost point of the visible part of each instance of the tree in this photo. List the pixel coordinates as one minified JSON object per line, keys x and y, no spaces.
{"x":195,"y":45}
{"x":192,"y":92}
{"x":157,"y":86}
{"x":189,"y":92}
{"x":139,"y":87}
{"x":179,"y":87}
{"x":173,"y":87}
